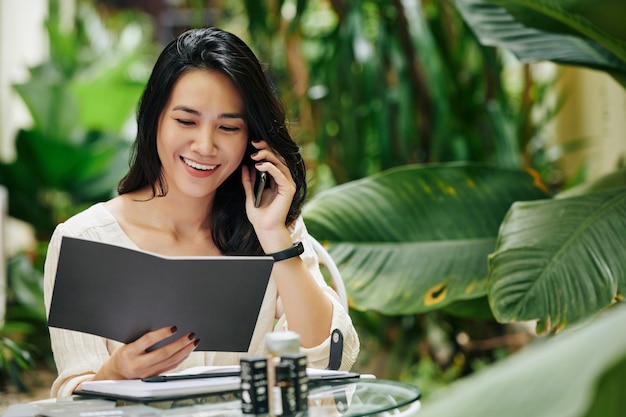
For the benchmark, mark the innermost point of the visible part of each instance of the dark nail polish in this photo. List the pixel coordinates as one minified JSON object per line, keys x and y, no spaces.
{"x":196,"y":342}
{"x":173,"y":329}
{"x":192,"y":336}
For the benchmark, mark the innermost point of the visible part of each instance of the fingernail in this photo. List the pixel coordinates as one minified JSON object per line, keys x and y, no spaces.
{"x":192,"y":336}
{"x":196,"y":342}
{"x":173,"y":329}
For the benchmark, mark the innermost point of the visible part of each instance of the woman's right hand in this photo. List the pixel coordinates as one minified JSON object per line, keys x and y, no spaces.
{"x":133,"y":361}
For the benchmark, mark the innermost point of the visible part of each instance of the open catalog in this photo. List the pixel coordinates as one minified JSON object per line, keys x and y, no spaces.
{"x":121,"y":294}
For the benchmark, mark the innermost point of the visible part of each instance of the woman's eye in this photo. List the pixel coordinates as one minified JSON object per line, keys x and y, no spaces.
{"x":185,"y":122}
{"x":229,"y":128}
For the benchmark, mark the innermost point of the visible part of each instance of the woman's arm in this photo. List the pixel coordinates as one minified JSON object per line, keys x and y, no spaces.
{"x":77,"y":355}
{"x":318,"y":355}
{"x":308,"y":309}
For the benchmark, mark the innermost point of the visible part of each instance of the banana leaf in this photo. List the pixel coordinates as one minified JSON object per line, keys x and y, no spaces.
{"x":416,"y":238}
{"x":578,"y":373}
{"x":560,"y":261}
{"x":572,"y":32}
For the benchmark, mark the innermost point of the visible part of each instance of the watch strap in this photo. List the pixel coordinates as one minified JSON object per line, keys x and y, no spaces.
{"x":296,"y":250}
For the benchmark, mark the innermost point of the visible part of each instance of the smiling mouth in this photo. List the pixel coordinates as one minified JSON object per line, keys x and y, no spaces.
{"x":198,"y":166}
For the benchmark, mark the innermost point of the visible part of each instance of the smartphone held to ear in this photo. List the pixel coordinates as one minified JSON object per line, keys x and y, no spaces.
{"x":259,"y":186}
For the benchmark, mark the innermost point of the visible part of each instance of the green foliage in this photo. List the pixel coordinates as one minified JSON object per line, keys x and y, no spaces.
{"x":390,"y":84}
{"x":560,"y":261}
{"x":577,"y":32}
{"x":15,"y":357}
{"x":557,"y":260}
{"x":577,"y":373}
{"x":79,"y":100}
{"x":73,"y":155}
{"x":417,"y":236}
{"x":24,"y":337}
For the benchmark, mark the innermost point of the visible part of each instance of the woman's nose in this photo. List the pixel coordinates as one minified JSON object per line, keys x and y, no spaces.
{"x":204,"y":143}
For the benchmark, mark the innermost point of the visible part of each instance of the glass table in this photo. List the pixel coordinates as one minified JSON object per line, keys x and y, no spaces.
{"x":349,"y":398}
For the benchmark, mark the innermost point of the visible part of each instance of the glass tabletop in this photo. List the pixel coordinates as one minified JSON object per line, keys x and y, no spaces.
{"x":346,"y":398}
{"x":362,"y":397}
{"x":353,"y":398}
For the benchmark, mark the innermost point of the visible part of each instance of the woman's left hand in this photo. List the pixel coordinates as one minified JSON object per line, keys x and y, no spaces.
{"x":278,"y":194}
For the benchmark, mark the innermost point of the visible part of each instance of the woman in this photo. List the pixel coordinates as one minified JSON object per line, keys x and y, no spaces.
{"x":208,"y":121}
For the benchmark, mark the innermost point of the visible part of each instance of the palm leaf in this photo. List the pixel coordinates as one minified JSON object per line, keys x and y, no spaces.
{"x":416,"y":238}
{"x":563,"y":37}
{"x":560,"y":261}
{"x":575,"y":374}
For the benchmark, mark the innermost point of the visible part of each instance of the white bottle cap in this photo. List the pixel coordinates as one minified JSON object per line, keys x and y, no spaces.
{"x":282,"y":342}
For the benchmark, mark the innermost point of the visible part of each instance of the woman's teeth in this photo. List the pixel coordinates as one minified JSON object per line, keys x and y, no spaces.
{"x":198,"y":166}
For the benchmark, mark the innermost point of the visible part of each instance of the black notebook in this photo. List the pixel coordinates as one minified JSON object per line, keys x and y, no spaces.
{"x":121,"y":293}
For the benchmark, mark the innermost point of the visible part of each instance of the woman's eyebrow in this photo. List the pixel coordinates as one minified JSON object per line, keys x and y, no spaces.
{"x":187,"y":110}
{"x":219,"y":116}
{"x":231,"y":116}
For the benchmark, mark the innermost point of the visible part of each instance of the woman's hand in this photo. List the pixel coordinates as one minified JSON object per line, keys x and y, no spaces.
{"x":307,"y":309}
{"x":277,"y":197}
{"x":133,"y":361}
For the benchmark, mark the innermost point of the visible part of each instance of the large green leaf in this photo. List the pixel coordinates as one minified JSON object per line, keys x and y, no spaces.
{"x":50,"y":103}
{"x":416,"y":238}
{"x":543,"y":30}
{"x":560,"y":261}
{"x":573,"y":374}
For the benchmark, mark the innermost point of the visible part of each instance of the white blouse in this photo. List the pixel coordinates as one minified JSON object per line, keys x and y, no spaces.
{"x":78,"y":356}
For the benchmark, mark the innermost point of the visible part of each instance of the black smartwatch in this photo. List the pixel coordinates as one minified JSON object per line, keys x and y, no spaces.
{"x":296,"y":250}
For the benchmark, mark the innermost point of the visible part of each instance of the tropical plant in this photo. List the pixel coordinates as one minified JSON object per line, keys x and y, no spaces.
{"x":417,"y":236}
{"x":374,"y":85}
{"x":576,"y":373}
{"x":23,"y":338}
{"x":74,"y":153}
{"x":559,"y":261}
{"x":80,"y":101}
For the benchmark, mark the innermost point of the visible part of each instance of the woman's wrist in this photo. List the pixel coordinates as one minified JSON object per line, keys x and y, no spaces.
{"x":275,"y":241}
{"x":291,"y":252}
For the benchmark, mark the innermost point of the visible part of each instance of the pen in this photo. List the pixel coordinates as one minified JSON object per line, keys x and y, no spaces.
{"x":165,"y":378}
{"x":321,"y":379}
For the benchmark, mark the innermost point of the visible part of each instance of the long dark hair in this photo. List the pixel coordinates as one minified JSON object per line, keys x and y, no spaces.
{"x":216,"y":50}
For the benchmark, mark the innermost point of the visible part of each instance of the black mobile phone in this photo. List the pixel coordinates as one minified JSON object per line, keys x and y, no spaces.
{"x":259,"y":186}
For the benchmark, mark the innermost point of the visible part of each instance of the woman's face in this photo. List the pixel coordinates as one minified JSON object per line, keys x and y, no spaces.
{"x":202,"y":134}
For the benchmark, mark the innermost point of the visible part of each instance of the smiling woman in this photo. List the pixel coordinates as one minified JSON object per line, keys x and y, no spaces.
{"x":207,"y":122}
{"x":202,"y":126}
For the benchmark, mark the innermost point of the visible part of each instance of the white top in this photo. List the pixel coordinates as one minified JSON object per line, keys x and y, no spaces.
{"x":79,"y":355}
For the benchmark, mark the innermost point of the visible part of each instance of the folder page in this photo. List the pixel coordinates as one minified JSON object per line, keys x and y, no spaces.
{"x":121,"y":293}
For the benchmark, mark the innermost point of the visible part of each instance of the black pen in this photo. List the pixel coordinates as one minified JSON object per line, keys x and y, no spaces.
{"x":165,"y":378}
{"x":320,"y":379}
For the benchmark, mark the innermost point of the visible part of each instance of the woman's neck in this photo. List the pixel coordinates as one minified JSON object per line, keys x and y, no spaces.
{"x":169,"y":225}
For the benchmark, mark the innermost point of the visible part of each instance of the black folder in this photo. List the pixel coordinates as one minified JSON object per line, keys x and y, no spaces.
{"x":122,"y":293}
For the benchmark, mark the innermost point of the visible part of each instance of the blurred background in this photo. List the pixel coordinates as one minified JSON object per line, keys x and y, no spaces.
{"x":369,"y":86}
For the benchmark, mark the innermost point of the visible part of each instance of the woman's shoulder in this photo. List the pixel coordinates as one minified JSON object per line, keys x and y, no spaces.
{"x":90,"y":223}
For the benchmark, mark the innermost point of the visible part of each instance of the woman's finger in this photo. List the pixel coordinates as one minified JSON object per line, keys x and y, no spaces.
{"x":151,"y":338}
{"x":169,"y":356}
{"x":136,"y":360}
